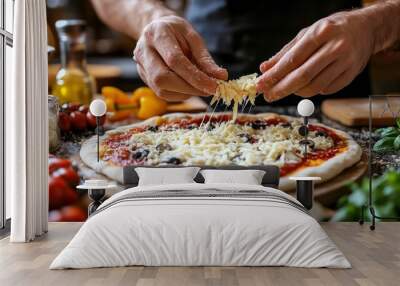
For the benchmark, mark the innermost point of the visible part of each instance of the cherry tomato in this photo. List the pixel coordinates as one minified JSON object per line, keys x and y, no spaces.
{"x":91,"y":120}
{"x":73,"y":107}
{"x":57,"y":187}
{"x":65,"y":108}
{"x":103,"y":120}
{"x":70,"y":107}
{"x":70,"y":196}
{"x":64,"y":122}
{"x":83,"y":108}
{"x":73,"y":213}
{"x":57,"y":163}
{"x":68,"y":174}
{"x":78,"y":120}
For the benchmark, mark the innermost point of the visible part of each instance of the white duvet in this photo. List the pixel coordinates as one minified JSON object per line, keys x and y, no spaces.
{"x":206,"y":230}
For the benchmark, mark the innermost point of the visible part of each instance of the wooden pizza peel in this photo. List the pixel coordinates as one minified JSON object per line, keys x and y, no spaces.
{"x":355,"y":111}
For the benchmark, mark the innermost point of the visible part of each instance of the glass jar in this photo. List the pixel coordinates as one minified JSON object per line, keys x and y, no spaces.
{"x":73,"y":83}
{"x":54,"y":131}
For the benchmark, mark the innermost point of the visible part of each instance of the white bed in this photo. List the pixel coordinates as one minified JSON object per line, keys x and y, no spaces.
{"x":201,"y":224}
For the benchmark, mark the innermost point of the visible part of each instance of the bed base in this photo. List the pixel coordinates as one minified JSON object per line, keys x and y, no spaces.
{"x":304,"y":185}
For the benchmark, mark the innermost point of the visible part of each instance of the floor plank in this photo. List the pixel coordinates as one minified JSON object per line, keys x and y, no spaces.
{"x":374,"y":255}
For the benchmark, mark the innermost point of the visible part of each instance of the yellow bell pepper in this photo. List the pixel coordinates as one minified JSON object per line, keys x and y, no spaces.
{"x":119,"y":115}
{"x":151,"y":106}
{"x":116,"y":99}
{"x":113,"y":92}
{"x":141,"y":92}
{"x":144,"y":102}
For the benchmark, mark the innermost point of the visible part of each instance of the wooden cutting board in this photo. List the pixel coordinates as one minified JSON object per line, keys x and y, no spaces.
{"x":193,"y":104}
{"x":99,"y":72}
{"x":355,"y":111}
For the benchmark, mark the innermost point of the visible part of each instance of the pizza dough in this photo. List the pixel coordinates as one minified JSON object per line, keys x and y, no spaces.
{"x":229,"y":143}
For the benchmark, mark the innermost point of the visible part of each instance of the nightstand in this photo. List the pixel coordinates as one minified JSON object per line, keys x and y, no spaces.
{"x":305,"y":190}
{"x":96,"y":192}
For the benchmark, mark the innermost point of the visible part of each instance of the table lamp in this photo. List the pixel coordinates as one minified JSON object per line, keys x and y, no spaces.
{"x":98,"y":108}
{"x":305,"y":185}
{"x":305,"y":108}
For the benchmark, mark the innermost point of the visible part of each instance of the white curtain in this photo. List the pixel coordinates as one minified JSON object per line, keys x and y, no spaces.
{"x":27,"y":125}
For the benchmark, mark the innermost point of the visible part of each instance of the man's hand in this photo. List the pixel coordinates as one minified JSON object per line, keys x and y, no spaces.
{"x":173,"y":60}
{"x":322,"y":59}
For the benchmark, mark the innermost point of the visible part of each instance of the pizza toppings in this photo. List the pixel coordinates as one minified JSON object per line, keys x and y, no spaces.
{"x":238,"y":91}
{"x":220,"y":142}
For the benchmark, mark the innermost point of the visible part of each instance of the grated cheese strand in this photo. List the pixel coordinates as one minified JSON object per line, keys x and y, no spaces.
{"x":237,"y":91}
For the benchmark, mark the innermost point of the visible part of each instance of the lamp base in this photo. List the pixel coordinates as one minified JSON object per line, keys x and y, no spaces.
{"x":96,"y":195}
{"x":373,"y":216}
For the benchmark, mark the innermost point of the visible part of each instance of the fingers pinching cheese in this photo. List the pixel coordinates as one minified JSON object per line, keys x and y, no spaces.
{"x":238,"y":91}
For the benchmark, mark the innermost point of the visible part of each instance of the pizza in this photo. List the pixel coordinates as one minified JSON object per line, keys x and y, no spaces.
{"x":215,"y":140}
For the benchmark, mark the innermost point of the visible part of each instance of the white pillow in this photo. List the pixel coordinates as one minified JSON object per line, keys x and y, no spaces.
{"x":164,"y":176}
{"x":248,"y":177}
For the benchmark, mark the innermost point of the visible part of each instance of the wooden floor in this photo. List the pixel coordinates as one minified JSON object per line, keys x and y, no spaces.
{"x":375,"y":257}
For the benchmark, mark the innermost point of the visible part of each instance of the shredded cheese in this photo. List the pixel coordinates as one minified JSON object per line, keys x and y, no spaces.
{"x":227,"y":143}
{"x":238,"y":91}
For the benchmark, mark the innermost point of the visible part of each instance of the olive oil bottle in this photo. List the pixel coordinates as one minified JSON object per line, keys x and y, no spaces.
{"x":73,"y":83}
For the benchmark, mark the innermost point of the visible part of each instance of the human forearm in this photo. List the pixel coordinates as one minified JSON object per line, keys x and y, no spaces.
{"x":130,"y":16}
{"x":384,"y":20}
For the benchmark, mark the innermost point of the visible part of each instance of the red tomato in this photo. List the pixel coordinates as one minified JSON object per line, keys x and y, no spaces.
{"x":78,"y":120}
{"x":67,"y":174}
{"x":70,"y":196}
{"x":73,"y":213}
{"x":55,"y":216}
{"x":64,"y":122}
{"x":70,"y":107}
{"x":57,"y":187}
{"x":83,"y":108}
{"x":57,"y":163}
{"x":91,"y":120}
{"x":102,"y":120}
{"x":73,"y":107}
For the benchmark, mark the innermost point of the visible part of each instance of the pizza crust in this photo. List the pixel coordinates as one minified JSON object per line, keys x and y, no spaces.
{"x":327,"y":170}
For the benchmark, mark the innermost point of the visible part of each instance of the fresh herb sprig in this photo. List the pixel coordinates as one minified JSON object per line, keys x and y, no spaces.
{"x":389,"y":139}
{"x":386,"y":198}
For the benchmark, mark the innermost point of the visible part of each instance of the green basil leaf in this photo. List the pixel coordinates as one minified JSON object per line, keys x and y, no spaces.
{"x":398,"y":122}
{"x":385,"y":144}
{"x":382,"y":130}
{"x":390,"y":132}
{"x":358,"y":198}
{"x":396,"y":143}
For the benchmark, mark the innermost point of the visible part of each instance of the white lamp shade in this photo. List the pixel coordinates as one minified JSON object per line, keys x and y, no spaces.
{"x":98,"y":107}
{"x":305,"y":108}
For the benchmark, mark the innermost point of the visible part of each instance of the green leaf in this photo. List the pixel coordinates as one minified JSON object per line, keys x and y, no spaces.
{"x":388,"y":190}
{"x":390,"y":132}
{"x":398,"y":122}
{"x":396,"y":143}
{"x":358,"y":198}
{"x":342,"y":214}
{"x":386,"y":210}
{"x":385,"y":144}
